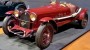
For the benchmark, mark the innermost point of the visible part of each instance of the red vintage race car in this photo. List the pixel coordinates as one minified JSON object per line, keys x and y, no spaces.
{"x":43,"y":22}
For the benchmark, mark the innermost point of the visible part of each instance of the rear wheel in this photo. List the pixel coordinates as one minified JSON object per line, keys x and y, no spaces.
{"x":8,"y":23}
{"x":83,"y":23}
{"x":44,"y":35}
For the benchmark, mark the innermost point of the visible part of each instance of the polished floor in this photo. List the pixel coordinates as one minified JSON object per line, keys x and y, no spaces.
{"x":82,"y":43}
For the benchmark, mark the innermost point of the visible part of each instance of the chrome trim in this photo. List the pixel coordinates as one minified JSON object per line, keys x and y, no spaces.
{"x":34,"y":13}
{"x":73,"y":15}
{"x":76,"y":13}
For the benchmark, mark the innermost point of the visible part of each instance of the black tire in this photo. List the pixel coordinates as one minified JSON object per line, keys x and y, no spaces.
{"x":5,"y":25}
{"x":83,"y":23}
{"x":40,"y":35}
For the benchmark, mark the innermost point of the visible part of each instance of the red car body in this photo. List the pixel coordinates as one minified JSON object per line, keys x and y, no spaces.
{"x":56,"y":14}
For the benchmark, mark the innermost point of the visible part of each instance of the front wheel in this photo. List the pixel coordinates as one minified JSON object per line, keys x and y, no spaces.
{"x":8,"y":23}
{"x":44,"y":36}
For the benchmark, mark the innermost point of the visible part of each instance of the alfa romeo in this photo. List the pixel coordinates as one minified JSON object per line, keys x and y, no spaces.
{"x":43,"y":22}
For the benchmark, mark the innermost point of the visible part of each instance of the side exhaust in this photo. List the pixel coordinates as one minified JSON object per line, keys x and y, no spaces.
{"x":73,"y":15}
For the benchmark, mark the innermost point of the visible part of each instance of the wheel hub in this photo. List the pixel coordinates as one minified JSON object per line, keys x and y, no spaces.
{"x":84,"y":22}
{"x":46,"y":37}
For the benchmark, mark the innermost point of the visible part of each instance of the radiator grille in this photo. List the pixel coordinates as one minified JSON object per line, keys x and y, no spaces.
{"x":24,"y":20}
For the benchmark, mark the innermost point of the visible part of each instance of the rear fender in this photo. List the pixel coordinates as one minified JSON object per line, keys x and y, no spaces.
{"x":82,"y":14}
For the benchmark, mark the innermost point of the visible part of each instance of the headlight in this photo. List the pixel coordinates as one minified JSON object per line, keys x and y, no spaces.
{"x":33,"y":16}
{"x":16,"y":13}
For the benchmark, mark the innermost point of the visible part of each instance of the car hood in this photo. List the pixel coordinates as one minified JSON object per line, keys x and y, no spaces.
{"x":43,"y":10}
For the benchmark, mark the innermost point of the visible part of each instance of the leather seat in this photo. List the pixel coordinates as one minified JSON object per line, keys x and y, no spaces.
{"x":72,"y":7}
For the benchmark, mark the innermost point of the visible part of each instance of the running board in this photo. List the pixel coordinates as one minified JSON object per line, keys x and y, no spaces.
{"x":73,"y":15}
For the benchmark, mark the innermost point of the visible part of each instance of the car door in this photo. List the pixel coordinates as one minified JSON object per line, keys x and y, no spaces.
{"x":63,"y":12}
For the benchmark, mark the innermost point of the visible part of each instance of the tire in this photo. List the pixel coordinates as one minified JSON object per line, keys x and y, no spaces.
{"x":42,"y":36}
{"x":83,"y":23}
{"x":5,"y":26}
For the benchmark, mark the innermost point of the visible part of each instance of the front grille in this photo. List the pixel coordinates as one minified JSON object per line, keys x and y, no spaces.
{"x":24,"y":20}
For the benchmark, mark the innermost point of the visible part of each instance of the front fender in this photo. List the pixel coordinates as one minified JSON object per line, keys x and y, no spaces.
{"x":46,"y":19}
{"x":82,"y":14}
{"x":49,"y":20}
{"x":9,"y":12}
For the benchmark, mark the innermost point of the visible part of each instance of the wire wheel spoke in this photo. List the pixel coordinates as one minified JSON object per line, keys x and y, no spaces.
{"x":46,"y":36}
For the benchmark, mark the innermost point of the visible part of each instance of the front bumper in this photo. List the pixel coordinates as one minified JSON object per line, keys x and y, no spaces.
{"x":26,"y":32}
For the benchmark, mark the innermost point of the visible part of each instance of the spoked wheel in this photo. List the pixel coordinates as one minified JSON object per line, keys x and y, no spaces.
{"x":83,"y":22}
{"x":8,"y":23}
{"x":44,"y":36}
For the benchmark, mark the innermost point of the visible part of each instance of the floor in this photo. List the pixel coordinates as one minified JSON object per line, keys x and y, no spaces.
{"x":82,"y":43}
